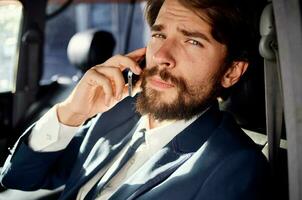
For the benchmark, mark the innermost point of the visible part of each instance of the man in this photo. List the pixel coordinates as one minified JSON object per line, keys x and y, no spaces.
{"x":178,"y":145}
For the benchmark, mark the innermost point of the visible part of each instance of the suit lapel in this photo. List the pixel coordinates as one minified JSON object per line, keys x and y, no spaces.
{"x":154,"y":171}
{"x":104,"y":140}
{"x":171,"y":157}
{"x":106,"y":148}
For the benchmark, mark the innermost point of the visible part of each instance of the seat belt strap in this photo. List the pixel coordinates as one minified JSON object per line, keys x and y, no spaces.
{"x":273,"y":86}
{"x":274,"y":110}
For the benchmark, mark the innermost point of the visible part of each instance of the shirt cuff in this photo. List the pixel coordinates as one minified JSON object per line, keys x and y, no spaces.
{"x":49,"y":134}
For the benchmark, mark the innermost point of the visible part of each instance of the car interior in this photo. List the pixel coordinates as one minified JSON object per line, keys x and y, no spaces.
{"x":257,"y":102}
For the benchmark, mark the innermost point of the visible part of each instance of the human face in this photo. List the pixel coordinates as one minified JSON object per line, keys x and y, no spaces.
{"x":184,"y":64}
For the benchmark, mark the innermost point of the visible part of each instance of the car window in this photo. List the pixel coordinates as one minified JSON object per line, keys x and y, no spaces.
{"x":112,"y":17}
{"x":10,"y":20}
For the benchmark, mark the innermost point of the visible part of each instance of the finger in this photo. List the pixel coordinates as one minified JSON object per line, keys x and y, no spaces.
{"x":116,"y":76}
{"x":94,"y":78}
{"x":125,"y":92}
{"x":123,"y":62}
{"x":134,"y":56}
{"x":137,"y":54}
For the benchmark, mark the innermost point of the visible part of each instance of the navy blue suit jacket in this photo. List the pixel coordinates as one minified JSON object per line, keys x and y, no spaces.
{"x":210,"y":159}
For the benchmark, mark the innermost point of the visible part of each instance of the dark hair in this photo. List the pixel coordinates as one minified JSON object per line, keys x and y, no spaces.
{"x":230,"y":21}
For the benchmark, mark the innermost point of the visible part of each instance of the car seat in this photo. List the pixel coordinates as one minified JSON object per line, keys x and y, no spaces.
{"x":89,"y":48}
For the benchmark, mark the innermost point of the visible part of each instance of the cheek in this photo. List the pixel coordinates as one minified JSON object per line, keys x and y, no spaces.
{"x":151,"y":49}
{"x":203,"y":65}
{"x":194,"y":69}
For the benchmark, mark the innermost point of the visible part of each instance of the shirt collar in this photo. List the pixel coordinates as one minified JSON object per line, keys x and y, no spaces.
{"x":160,"y":136}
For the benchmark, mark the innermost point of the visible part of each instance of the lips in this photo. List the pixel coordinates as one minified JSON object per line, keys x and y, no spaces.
{"x":158,"y":83}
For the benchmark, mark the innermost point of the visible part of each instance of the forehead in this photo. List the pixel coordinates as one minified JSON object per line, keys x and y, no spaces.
{"x":174,"y":12}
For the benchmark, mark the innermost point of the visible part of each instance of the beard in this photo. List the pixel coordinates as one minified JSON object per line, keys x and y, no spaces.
{"x":190,"y":100}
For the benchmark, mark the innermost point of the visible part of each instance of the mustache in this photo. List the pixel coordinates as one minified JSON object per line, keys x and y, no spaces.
{"x":165,"y":75}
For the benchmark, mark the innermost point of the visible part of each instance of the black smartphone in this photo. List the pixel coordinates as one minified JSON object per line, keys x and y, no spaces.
{"x":133,"y":78}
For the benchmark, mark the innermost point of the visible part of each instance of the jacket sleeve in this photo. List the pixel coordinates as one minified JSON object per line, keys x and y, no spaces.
{"x":25,"y":169}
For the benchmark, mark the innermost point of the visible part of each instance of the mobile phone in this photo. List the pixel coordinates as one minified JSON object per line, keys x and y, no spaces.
{"x":133,"y":78}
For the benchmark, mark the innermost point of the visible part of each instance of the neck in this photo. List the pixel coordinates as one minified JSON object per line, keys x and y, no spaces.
{"x":153,"y":123}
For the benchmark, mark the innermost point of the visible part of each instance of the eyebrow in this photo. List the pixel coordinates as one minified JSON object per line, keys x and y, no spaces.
{"x":187,"y":33}
{"x":194,"y":34}
{"x":157,"y":27}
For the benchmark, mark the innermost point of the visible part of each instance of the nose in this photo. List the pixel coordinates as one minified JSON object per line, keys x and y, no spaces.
{"x":163,"y":57}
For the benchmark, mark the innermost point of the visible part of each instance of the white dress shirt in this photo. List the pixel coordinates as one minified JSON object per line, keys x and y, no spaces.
{"x":50,"y":135}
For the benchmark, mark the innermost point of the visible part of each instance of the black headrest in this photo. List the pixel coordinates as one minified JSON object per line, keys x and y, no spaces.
{"x":90,"y":47}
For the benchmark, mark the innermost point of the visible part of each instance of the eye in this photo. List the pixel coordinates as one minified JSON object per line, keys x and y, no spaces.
{"x":195,"y":42}
{"x":158,"y":35}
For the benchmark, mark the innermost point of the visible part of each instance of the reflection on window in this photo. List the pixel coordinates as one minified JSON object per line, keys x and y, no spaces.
{"x":10,"y":18}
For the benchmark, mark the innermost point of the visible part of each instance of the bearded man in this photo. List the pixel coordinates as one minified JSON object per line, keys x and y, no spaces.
{"x":170,"y":141}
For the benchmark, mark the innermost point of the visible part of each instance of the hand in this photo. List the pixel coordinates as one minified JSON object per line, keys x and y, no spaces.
{"x":101,"y":88}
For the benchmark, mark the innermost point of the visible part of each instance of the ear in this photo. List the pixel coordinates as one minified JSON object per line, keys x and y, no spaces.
{"x":234,"y":73}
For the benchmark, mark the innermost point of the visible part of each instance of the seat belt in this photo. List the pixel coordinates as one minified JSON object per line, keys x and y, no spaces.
{"x":273,"y":86}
